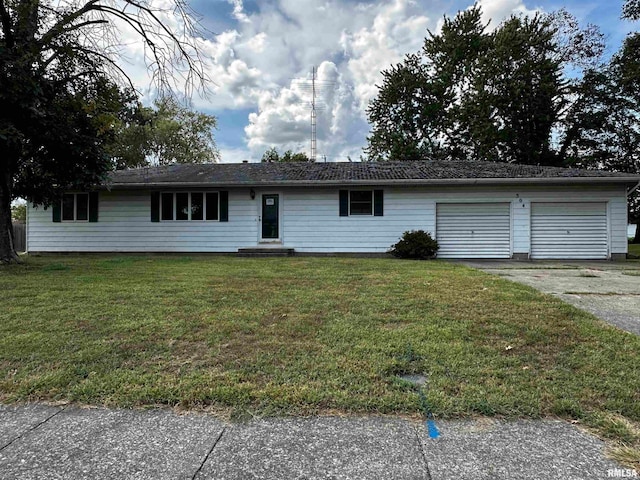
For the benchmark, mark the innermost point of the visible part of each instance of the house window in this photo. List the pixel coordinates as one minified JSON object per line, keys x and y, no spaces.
{"x":75,"y":207}
{"x":189,"y":206}
{"x":361,"y":202}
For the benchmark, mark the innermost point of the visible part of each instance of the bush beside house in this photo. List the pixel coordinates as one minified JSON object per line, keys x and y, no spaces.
{"x":415,"y":244}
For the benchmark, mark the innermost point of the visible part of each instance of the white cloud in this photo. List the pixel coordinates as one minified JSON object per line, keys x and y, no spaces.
{"x":254,"y":66}
{"x":235,"y":155}
{"x":238,"y":11}
{"x":284,"y":118}
{"x":495,"y":11}
{"x":397,"y":29}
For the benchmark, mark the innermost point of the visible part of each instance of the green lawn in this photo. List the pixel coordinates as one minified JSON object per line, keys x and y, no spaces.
{"x":634,"y":248}
{"x":297,"y":336}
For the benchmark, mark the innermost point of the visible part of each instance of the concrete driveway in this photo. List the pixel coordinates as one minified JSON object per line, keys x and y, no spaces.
{"x":609,"y":290}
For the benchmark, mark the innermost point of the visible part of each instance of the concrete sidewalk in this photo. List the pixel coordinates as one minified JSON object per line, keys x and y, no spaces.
{"x":44,"y":442}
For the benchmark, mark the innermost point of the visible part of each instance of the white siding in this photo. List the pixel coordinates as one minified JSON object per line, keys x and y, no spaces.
{"x":520,"y":214}
{"x":124,"y":225}
{"x":618,"y":224}
{"x":310,"y":220}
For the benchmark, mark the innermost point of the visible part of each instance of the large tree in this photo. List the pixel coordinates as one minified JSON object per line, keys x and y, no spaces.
{"x":472,"y":93}
{"x":610,"y":137}
{"x":59,"y":73}
{"x":169,"y":133}
{"x":605,"y":133}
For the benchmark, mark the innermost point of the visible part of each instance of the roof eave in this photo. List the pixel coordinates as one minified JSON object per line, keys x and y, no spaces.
{"x":627,"y":180}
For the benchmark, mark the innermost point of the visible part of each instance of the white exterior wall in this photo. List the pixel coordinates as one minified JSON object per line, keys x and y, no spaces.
{"x":124,"y":225}
{"x":310,"y":220}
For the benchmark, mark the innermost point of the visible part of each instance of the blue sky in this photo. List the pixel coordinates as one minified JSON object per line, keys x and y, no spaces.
{"x":261,"y":53}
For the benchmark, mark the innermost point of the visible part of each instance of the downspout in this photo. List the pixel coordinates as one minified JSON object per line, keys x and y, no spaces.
{"x":26,"y":229}
{"x":629,"y":192}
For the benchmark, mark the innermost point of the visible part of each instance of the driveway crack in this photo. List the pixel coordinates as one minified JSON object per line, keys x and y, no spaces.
{"x":209,"y":453}
{"x":33,"y":428}
{"x":424,"y":454}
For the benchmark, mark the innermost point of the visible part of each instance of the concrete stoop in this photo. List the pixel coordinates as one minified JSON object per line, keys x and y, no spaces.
{"x":266,"y":252}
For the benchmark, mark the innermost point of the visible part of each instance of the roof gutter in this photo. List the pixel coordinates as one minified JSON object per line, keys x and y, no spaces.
{"x":635,"y":180}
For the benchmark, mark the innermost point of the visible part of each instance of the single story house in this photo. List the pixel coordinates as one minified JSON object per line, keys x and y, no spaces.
{"x":474,"y":210}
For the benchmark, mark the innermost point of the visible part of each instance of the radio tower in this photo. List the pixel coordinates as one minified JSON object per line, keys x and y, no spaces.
{"x":313,"y":114}
{"x":314,"y":88}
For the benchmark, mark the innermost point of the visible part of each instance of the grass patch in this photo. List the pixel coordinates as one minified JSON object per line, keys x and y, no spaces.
{"x":634,"y":249}
{"x":297,"y":336}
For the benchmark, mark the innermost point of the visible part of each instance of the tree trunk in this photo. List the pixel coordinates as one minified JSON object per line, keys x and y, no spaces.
{"x":7,"y":249}
{"x":636,"y":239}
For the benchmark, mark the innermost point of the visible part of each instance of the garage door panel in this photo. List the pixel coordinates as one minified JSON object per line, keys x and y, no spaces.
{"x":569,"y":230}
{"x":473,"y":230}
{"x":570,"y":208}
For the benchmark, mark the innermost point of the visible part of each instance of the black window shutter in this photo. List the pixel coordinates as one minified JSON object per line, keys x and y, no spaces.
{"x":378,"y":203}
{"x":93,"y":206}
{"x":344,"y":203}
{"x":155,"y":206}
{"x":57,"y":211}
{"x":224,"y":206}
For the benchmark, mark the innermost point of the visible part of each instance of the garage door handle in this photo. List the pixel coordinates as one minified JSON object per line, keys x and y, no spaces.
{"x":568,"y":232}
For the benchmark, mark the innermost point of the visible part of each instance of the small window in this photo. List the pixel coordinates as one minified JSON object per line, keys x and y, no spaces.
{"x":182,"y":206}
{"x":197,"y":206}
{"x":75,"y":207}
{"x":361,"y":202}
{"x":189,"y":206}
{"x":167,"y":206}
{"x":68,"y":207}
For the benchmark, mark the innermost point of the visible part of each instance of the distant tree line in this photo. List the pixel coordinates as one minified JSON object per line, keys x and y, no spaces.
{"x":272,"y":156}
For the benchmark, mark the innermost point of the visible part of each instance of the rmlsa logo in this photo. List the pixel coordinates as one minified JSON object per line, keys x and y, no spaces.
{"x":622,"y":473}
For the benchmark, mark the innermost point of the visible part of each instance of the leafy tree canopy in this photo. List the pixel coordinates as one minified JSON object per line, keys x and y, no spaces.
{"x":631,"y":10}
{"x":19,"y":212}
{"x":169,"y":133}
{"x":471,"y":93}
{"x":272,"y":155}
{"x":60,"y":89}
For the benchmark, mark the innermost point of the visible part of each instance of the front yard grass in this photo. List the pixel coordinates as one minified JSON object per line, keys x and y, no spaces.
{"x":298,"y":336}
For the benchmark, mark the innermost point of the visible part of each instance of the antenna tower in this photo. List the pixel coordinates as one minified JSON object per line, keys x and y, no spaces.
{"x":313,"y":114}
{"x":316,"y":89}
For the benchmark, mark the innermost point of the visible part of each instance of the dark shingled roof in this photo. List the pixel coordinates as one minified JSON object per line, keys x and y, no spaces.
{"x":380,"y":173}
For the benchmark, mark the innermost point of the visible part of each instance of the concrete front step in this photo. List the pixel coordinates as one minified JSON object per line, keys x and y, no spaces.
{"x":265,"y":252}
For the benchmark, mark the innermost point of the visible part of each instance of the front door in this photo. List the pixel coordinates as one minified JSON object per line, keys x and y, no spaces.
{"x":270,"y":217}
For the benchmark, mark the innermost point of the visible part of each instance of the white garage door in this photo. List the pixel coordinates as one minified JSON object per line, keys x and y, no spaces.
{"x":569,"y":230}
{"x":473,"y":230}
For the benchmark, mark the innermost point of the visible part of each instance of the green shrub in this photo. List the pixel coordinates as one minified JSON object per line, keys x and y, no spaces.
{"x":416,"y":244}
